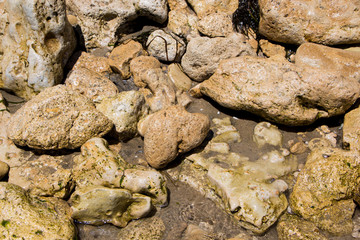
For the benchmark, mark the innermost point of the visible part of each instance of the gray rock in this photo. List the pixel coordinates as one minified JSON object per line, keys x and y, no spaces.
{"x":37,"y":43}
{"x":203,"y":54}
{"x":296,"y":22}
{"x":28,"y":217}
{"x":57,"y":118}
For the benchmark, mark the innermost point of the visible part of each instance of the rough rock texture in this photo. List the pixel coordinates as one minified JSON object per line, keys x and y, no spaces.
{"x":3,"y":22}
{"x":91,"y":84}
{"x":292,"y":227}
{"x":329,"y":23}
{"x":57,"y":118}
{"x":93,"y":63}
{"x":45,"y":176}
{"x":351,"y":130}
{"x":4,"y":169}
{"x":165,"y":46}
{"x":27,"y":217}
{"x":203,"y":54}
{"x":99,"y":166}
{"x":37,"y":43}
{"x":143,"y":229}
{"x":266,"y":133}
{"x":272,"y":50}
{"x":178,"y":77}
{"x":121,"y":56}
{"x":250,"y":191}
{"x":280,"y":91}
{"x":183,"y":22}
{"x":99,"y":205}
{"x":325,"y":187}
{"x":204,"y":7}
{"x":101,"y":22}
{"x":218,"y":24}
{"x":171,"y":131}
{"x":124,"y":110}
{"x":139,"y":66}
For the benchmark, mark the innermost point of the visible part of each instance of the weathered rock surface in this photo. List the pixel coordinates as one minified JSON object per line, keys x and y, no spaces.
{"x":140,"y":65}
{"x":37,"y":43}
{"x":57,"y":118}
{"x":218,"y":24}
{"x":203,"y":54}
{"x":99,"y":205}
{"x":121,"y":56}
{"x":280,"y":91}
{"x":101,"y":22}
{"x":292,"y":227}
{"x":92,"y":85}
{"x":27,"y":217}
{"x":165,"y":46}
{"x":266,"y":133}
{"x":271,"y":49}
{"x":325,"y":188}
{"x":183,"y":22}
{"x":351,"y":130}
{"x":45,"y":176}
{"x":178,"y":77}
{"x":124,"y":110}
{"x":96,"y":64}
{"x":204,"y":7}
{"x":143,"y":229}
{"x":3,"y":22}
{"x":296,"y":22}
{"x":171,"y":131}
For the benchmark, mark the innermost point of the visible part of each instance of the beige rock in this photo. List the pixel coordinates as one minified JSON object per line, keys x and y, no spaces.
{"x":280,"y":91}
{"x":103,"y":22}
{"x":203,"y":54}
{"x":177,"y":4}
{"x":125,"y":110}
{"x":99,"y":205}
{"x":325,"y":187}
{"x":45,"y":176}
{"x":296,"y":22}
{"x":121,"y":56}
{"x":292,"y":227}
{"x":298,"y":148}
{"x":217,"y":24}
{"x":37,"y":43}
{"x":165,"y":46}
{"x":3,"y":23}
{"x":28,"y":217}
{"x":72,"y":20}
{"x":204,"y":7}
{"x":183,"y":22}
{"x":143,"y":229}
{"x":178,"y":77}
{"x":171,"y":131}
{"x":266,"y":133}
{"x":91,"y":84}
{"x":318,"y":143}
{"x":194,"y":232}
{"x":351,"y":130}
{"x":96,"y":64}
{"x":57,"y":118}
{"x":139,"y":66}
{"x":4,"y":169}
{"x":271,"y":49}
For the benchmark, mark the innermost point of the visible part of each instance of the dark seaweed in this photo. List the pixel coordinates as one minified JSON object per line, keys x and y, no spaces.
{"x":247,"y":16}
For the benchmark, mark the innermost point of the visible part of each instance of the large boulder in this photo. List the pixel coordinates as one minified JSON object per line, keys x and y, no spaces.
{"x":57,"y":118}
{"x":37,"y":43}
{"x":296,"y":21}
{"x":101,"y":22}
{"x":27,"y":217}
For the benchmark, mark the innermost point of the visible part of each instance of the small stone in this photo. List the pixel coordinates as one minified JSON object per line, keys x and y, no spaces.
{"x":298,"y":148}
{"x":178,"y":77}
{"x":139,"y":66}
{"x":96,"y":64}
{"x":266,"y":133}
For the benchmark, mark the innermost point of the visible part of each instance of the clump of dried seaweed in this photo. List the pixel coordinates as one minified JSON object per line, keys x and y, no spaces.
{"x":247,"y":16}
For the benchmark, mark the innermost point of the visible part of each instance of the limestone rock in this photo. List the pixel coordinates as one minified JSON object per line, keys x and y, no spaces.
{"x":218,"y":24}
{"x":271,"y":49}
{"x":102,"y":22}
{"x":37,"y":43}
{"x":177,"y":4}
{"x":91,"y":84}
{"x":3,"y":22}
{"x":57,"y":118}
{"x":143,"y":229}
{"x":203,"y":54}
{"x":4,"y":169}
{"x":27,"y":217}
{"x":139,"y":66}
{"x":204,"y":7}
{"x":45,"y":176}
{"x":165,"y":46}
{"x":121,"y":56}
{"x":296,"y":22}
{"x":178,"y":77}
{"x":325,"y":187}
{"x":292,"y":227}
{"x":171,"y":131}
{"x":351,"y":130}
{"x":98,"y":205}
{"x":183,"y":22}
{"x":96,"y":64}
{"x":125,"y":110}
{"x":280,"y":91}
{"x":266,"y":133}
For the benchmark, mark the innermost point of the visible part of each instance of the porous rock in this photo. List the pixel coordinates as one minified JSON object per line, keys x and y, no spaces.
{"x":183,"y":22}
{"x":218,"y":24}
{"x":203,"y":54}
{"x":45,"y":176}
{"x":139,"y":66}
{"x":171,"y":131}
{"x":92,"y":85}
{"x":295,"y":22}
{"x":351,"y":130}
{"x":98,"y":205}
{"x":37,"y":42}
{"x":204,"y":7}
{"x":102,"y":22}
{"x":57,"y":118}
{"x":3,"y":23}
{"x":28,"y":217}
{"x":325,"y":189}
{"x":94,"y":63}
{"x":143,"y":229}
